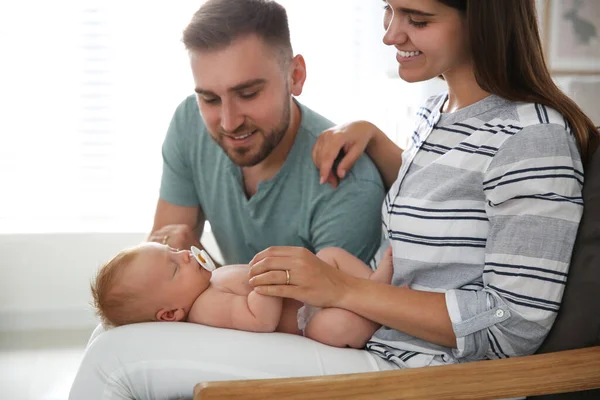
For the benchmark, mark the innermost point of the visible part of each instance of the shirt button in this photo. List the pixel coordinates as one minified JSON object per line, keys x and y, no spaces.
{"x":499,"y":313}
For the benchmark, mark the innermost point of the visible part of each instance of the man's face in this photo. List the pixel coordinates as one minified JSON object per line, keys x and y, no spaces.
{"x":244,"y":98}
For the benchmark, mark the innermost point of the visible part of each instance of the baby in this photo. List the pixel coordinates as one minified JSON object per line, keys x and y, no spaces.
{"x":153,"y":282}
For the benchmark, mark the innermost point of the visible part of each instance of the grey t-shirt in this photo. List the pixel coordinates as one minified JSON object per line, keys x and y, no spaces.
{"x":291,"y":209}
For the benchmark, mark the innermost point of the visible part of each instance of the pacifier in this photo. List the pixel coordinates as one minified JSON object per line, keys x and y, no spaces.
{"x":203,"y":259}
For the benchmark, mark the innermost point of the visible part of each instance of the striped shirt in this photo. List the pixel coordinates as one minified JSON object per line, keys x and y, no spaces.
{"x":485,"y":209}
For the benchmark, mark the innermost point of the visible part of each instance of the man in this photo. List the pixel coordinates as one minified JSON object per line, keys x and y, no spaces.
{"x":238,"y":153}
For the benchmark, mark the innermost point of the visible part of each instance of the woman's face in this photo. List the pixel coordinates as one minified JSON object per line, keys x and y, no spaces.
{"x":430,"y":38}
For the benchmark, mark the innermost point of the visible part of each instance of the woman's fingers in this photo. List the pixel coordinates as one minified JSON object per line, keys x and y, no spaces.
{"x":344,"y":143}
{"x":279,"y":251}
{"x":311,"y":279}
{"x":352,"y":154}
{"x":272,"y":264}
{"x":288,"y":291}
{"x":277,"y":277}
{"x":332,"y":180}
{"x":325,"y":153}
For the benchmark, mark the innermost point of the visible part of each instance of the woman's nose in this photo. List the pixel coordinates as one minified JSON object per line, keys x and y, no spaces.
{"x":394,"y":33}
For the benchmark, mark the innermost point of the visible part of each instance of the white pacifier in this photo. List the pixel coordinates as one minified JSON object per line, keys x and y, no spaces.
{"x":203,"y":259}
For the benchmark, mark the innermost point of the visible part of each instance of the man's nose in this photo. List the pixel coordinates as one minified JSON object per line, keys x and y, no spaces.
{"x":231,"y":118}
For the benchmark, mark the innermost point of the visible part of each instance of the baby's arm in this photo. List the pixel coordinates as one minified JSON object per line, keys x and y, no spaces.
{"x":256,"y":313}
{"x":231,"y":303}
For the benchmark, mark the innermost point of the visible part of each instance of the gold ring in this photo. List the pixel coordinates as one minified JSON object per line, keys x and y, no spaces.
{"x":287,"y":276}
{"x":165,"y":238}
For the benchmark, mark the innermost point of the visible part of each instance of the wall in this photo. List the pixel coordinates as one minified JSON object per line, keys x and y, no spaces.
{"x":584,"y":89}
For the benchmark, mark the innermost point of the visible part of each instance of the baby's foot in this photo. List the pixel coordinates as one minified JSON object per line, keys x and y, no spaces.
{"x":385,"y":269}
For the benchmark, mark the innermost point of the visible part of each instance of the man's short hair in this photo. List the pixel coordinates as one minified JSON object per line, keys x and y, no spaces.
{"x":220,"y":22}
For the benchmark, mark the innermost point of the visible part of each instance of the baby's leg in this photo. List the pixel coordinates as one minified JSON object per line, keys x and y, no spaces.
{"x":385,"y":269}
{"x":342,"y":328}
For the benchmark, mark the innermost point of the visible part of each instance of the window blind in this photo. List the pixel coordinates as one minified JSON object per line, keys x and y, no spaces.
{"x":88,"y":87}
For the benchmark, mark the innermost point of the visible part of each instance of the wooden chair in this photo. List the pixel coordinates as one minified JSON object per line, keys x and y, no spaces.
{"x":567,"y":365}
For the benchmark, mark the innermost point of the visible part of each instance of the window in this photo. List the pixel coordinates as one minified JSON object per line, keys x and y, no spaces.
{"x":89,"y":88}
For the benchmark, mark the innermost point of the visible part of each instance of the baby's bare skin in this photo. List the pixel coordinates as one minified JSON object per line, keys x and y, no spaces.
{"x":230,"y":302}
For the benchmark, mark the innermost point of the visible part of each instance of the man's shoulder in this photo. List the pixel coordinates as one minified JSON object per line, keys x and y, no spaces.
{"x":313,"y":124}
{"x":187,"y":117}
{"x":188,"y":130}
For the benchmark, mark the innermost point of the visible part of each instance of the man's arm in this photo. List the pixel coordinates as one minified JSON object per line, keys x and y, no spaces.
{"x":178,"y":220}
{"x":181,"y":226}
{"x":171,"y":214}
{"x":178,"y":226}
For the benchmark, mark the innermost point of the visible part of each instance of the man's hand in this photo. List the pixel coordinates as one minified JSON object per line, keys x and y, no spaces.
{"x":178,"y":236}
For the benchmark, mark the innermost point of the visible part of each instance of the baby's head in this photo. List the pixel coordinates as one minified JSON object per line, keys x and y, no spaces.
{"x":149,"y":282}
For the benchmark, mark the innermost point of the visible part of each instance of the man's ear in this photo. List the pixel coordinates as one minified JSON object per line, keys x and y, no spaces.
{"x":297,"y":75}
{"x":174,"y":315}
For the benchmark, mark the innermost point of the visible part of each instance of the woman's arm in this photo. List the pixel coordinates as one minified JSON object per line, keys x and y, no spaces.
{"x":386,"y":155}
{"x":346,"y":143}
{"x":421,"y":314}
{"x":417,"y":313}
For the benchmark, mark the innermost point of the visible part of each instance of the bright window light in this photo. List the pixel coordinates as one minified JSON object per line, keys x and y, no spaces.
{"x":88,"y":88}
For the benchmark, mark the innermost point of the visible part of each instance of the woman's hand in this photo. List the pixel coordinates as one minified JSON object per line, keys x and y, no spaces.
{"x":311,"y":280}
{"x":345,"y":143}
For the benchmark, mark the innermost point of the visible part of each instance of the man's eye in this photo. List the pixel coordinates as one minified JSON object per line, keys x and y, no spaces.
{"x":209,"y":100}
{"x":249,"y":95}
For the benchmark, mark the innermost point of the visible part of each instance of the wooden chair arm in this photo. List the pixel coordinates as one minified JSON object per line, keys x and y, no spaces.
{"x":560,"y":372}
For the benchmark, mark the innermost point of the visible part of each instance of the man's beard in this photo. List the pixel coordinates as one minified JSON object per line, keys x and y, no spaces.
{"x":242,"y":156}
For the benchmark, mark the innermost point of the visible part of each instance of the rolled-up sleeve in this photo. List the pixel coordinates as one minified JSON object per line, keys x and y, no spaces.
{"x":534,"y":205}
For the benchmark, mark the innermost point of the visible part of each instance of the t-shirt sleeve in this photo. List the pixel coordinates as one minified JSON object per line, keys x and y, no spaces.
{"x":177,"y":184}
{"x":350,"y":218}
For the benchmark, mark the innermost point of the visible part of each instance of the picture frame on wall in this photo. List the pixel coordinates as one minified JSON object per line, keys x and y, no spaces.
{"x":572,"y":36}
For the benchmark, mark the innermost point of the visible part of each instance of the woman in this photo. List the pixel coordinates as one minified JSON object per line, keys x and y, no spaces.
{"x":486,"y":202}
{"x":481,"y":218}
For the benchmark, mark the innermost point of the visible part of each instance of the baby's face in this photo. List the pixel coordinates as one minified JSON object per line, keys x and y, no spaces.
{"x":172,"y":278}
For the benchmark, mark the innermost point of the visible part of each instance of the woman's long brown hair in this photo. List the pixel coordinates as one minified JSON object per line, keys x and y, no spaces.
{"x":509,"y":61}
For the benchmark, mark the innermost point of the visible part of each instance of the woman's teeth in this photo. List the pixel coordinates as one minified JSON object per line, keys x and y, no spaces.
{"x":407,"y":54}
